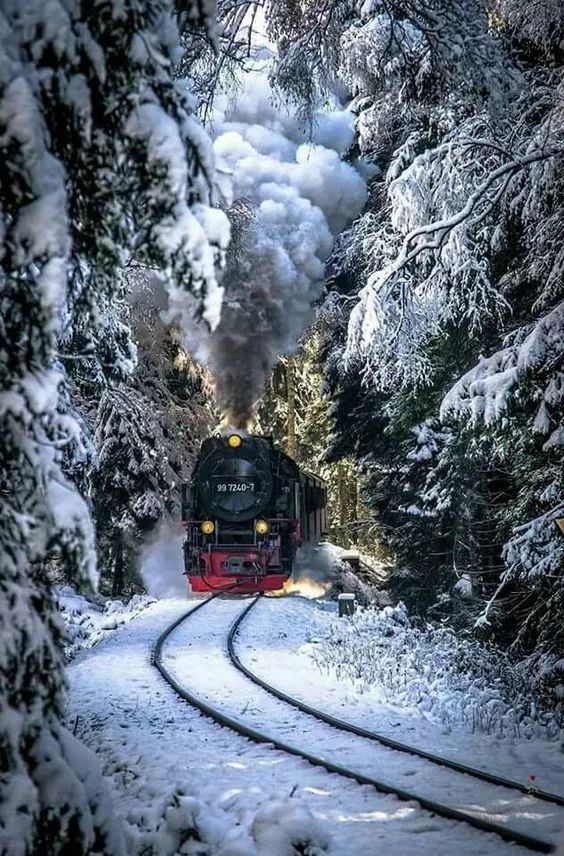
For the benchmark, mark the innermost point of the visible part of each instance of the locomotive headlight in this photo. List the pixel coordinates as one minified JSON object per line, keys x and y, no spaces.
{"x":207,"y":527}
{"x":261,"y":527}
{"x":234,"y":441}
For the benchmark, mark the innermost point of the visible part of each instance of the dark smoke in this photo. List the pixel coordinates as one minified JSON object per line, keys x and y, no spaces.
{"x":289,"y":199}
{"x":260,"y":318}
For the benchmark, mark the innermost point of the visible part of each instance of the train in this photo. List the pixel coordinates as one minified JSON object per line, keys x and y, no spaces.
{"x":246,"y":512}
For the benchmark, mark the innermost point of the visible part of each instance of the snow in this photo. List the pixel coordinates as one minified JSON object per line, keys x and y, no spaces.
{"x":373,"y":671}
{"x":173,"y":770}
{"x":488,"y":388}
{"x":283,"y":824}
{"x":164,"y":144}
{"x":536,"y":548}
{"x":48,"y":787}
{"x":464,"y":586}
{"x":185,"y":236}
{"x":246,"y":800}
{"x":71,"y":518}
{"x":87,"y":622}
{"x":93,"y":51}
{"x":55,"y":168}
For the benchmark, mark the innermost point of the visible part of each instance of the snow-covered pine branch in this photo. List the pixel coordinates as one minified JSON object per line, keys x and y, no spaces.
{"x":101,"y":158}
{"x":411,"y":297}
{"x":485,"y":392}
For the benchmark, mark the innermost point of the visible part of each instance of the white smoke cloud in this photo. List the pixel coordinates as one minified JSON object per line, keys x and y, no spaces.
{"x":162,"y":563}
{"x":298,"y":195}
{"x":317,"y":562}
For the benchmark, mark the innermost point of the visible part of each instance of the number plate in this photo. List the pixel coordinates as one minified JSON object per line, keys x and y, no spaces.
{"x":234,"y":485}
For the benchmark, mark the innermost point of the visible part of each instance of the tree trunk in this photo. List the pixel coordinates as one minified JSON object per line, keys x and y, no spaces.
{"x":353,"y":509}
{"x":117,"y":582}
{"x":342,"y":482}
{"x":291,"y":444}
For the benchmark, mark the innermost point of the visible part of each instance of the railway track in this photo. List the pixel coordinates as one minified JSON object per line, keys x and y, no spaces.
{"x":397,"y":745}
{"x":387,"y":750}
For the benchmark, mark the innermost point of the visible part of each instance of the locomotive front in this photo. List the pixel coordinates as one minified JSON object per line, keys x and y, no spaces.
{"x":233,"y":479}
{"x":242,"y":516}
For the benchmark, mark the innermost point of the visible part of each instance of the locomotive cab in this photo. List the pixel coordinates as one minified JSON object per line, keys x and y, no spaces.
{"x":242,"y":515}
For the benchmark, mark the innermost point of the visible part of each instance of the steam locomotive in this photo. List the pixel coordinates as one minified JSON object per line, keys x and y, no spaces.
{"x":246,"y":512}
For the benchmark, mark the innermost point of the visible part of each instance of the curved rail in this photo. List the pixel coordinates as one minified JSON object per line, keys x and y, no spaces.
{"x":389,"y":742}
{"x":535,"y":844}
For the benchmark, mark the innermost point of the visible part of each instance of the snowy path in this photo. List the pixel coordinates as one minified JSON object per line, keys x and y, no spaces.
{"x":195,"y":655}
{"x":150,"y":741}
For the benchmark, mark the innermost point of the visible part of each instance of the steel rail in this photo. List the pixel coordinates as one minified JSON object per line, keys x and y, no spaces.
{"x":343,"y":725}
{"x":531,"y":843}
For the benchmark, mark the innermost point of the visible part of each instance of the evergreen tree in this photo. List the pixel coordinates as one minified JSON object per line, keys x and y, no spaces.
{"x":297,"y":414}
{"x":450,"y":303}
{"x":99,"y":156}
{"x":133,"y":480}
{"x":146,"y":435}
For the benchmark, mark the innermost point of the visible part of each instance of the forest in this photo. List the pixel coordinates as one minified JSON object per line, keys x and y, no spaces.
{"x":338,"y":223}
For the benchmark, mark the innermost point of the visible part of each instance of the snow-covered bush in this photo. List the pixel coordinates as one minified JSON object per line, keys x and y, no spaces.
{"x":182,"y":825}
{"x":87,"y":622}
{"x":173,"y":826}
{"x":287,"y":828}
{"x":446,"y":678}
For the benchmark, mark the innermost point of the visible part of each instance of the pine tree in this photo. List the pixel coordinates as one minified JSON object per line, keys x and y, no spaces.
{"x":99,"y":152}
{"x":133,"y":480}
{"x":146,"y":435}
{"x":295,"y":412}
{"x":450,"y":304}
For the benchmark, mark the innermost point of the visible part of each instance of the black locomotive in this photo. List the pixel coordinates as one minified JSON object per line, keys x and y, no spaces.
{"x":246,"y":512}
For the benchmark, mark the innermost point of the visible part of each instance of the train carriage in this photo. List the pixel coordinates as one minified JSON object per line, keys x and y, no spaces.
{"x":246,"y":512}
{"x":313,"y":512}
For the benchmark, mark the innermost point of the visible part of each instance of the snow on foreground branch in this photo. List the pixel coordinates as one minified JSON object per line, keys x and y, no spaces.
{"x":45,"y":770}
{"x":99,"y":153}
{"x":465,"y":176}
{"x":485,"y":392}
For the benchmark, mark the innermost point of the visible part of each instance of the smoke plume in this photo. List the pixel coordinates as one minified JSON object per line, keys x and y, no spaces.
{"x":162,"y":564}
{"x":287,"y":200}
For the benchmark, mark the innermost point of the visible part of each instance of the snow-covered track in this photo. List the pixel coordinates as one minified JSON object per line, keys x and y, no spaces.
{"x":435,"y":807}
{"x":389,"y":742}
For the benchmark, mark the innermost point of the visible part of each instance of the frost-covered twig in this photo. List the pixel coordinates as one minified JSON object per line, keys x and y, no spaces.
{"x":411,"y":248}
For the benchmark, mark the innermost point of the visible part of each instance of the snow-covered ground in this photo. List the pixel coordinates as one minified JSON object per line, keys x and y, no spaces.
{"x":201,"y":642}
{"x":421,"y":709}
{"x":177,"y":777}
{"x":172,"y":769}
{"x":87,"y":622}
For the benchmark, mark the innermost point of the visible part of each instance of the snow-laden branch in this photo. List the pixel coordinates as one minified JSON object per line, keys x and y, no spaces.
{"x":484,"y":392}
{"x":440,"y":229}
{"x":441,"y":270}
